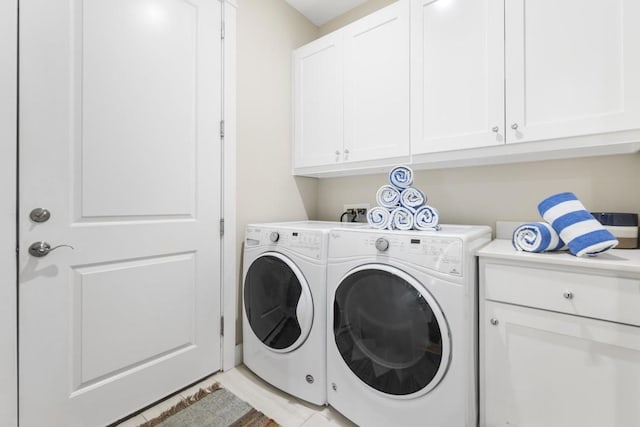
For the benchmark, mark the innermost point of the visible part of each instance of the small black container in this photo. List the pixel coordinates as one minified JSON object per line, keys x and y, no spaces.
{"x":623,"y":225}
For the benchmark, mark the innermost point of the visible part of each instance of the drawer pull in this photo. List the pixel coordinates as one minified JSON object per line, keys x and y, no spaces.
{"x":494,"y":321}
{"x":568,"y":295}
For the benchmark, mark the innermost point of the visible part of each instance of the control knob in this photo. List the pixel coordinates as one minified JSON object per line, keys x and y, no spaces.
{"x":274,"y":236}
{"x":382,"y":244}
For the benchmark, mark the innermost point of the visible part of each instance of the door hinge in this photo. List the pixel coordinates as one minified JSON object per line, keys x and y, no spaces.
{"x":221,"y":128}
{"x":222,"y":31}
{"x":222,"y":326}
{"x":221,"y":227}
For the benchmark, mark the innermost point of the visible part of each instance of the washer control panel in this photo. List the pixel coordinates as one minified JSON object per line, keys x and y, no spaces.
{"x":308,"y":243}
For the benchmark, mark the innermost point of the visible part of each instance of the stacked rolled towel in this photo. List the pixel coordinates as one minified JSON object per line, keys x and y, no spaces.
{"x":378,"y":217}
{"x":582,"y":233}
{"x":412,"y":198}
{"x":537,"y":237}
{"x":402,"y":206}
{"x":388,"y":196}
{"x":426,"y":218}
{"x":401,"y":176}
{"x":401,"y":219}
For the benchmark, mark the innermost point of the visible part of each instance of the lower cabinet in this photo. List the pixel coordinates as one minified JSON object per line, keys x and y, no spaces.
{"x":540,"y":367}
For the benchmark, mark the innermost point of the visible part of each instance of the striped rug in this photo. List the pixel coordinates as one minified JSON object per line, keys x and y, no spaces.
{"x":212,"y":407}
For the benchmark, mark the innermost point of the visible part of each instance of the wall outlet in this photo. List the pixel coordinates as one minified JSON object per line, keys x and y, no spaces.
{"x":356,"y":212}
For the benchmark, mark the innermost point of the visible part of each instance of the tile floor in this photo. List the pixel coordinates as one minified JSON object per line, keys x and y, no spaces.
{"x":284,"y":408}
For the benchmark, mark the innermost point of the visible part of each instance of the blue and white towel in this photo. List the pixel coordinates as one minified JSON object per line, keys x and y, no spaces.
{"x":401,"y":176}
{"x":412,"y":198}
{"x":378,"y":217}
{"x":537,"y":237}
{"x":426,"y":218}
{"x":401,"y":219}
{"x":388,"y":197}
{"x":584,"y":235}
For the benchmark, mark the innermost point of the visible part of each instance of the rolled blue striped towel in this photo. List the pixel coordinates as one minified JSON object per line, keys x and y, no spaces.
{"x":426,"y":218}
{"x":388,"y":196}
{"x":401,"y":219}
{"x":412,"y":198}
{"x":584,"y":235}
{"x":537,"y":237}
{"x":401,"y":176}
{"x":378,"y":217}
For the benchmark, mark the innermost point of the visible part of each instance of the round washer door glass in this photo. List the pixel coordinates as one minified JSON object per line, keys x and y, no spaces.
{"x":277,"y":302}
{"x":390,"y":331}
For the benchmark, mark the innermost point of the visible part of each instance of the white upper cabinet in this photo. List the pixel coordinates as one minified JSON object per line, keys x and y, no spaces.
{"x":377,"y":85}
{"x":486,"y":73}
{"x":572,"y":68}
{"x":351,"y":96}
{"x":318,"y":105}
{"x":457,"y":95}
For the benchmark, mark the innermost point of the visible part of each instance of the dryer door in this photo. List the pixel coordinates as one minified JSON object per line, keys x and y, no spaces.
{"x":277,"y":302}
{"x":390,"y":331}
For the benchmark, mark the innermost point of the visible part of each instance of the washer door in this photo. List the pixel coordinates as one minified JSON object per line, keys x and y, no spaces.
{"x":390,"y":331}
{"x":277,"y":302}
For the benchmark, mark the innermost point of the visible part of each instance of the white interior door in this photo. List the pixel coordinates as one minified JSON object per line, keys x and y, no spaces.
{"x":119,"y":111}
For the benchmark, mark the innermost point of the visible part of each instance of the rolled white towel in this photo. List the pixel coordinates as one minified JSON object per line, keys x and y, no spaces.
{"x":537,"y":237}
{"x":401,"y":176}
{"x":378,"y":217}
{"x":584,"y":235}
{"x":412,"y":198}
{"x":401,"y":219}
{"x":426,"y":218}
{"x":388,"y":196}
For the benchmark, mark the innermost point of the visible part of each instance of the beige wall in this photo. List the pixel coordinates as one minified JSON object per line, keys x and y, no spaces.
{"x":482,"y":195}
{"x":354,"y":14}
{"x":267,"y":32}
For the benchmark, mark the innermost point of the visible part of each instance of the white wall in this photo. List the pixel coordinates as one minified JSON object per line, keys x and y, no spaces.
{"x":268,"y":30}
{"x":8,"y":328}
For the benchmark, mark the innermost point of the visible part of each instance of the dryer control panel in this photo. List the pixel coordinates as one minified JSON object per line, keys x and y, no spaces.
{"x":303,"y":242}
{"x":439,"y":253}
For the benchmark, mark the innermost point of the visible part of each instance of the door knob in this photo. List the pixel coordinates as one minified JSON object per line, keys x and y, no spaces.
{"x":40,"y":249}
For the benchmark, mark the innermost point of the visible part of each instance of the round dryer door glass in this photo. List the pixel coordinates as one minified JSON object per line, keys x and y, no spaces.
{"x":390,"y":331}
{"x":277,"y":302}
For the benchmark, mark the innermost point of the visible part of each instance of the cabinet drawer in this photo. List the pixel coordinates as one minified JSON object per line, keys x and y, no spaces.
{"x":585,"y":294}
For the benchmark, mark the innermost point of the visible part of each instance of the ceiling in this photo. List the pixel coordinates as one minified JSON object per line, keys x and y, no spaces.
{"x":322,"y":11}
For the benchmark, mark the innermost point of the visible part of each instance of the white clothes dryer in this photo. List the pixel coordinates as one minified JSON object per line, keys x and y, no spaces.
{"x":402,"y":326}
{"x":284,"y":305}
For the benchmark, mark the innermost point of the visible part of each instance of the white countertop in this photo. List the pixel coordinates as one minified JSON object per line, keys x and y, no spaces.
{"x":619,"y":260}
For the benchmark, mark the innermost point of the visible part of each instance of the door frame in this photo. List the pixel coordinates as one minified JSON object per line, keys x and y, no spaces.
{"x":9,"y":200}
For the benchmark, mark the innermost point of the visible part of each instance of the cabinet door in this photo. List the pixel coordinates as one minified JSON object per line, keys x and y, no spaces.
{"x":541,"y":368}
{"x":377,"y":85}
{"x":457,"y":64}
{"x":318,"y":105}
{"x":572,"y":68}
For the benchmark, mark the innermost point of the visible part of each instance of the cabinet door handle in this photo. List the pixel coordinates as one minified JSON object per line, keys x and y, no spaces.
{"x":346,"y":151}
{"x":337,"y":152}
{"x":514,"y":126}
{"x":495,"y":129}
{"x":494,"y":321}
{"x":568,"y":295}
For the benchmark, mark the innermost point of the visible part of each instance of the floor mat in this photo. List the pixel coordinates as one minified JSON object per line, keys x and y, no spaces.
{"x":212,"y":407}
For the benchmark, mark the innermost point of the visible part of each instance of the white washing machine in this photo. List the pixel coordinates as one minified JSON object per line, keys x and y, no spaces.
{"x":284,"y":305}
{"x":402,"y":326}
